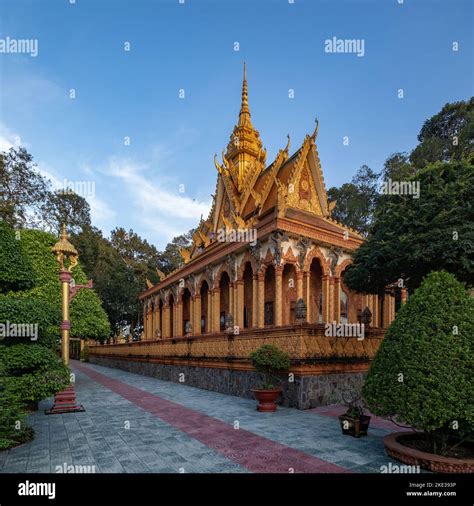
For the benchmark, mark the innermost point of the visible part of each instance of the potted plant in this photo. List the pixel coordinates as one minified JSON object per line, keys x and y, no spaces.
{"x":270,"y":361}
{"x":354,"y":422}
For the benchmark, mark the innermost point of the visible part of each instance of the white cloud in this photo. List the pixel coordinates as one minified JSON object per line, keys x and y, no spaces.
{"x":8,"y":138}
{"x":161,"y":210}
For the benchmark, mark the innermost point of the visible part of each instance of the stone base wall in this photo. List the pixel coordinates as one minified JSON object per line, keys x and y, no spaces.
{"x":303,"y":393}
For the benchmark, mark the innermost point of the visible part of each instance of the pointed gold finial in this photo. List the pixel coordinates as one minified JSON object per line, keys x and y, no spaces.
{"x":244,"y":115}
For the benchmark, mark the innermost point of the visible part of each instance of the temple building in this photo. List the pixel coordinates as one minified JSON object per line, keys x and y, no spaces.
{"x":266,"y":266}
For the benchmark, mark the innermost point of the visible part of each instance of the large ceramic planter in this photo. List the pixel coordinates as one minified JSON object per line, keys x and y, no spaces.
{"x":266,"y":399}
{"x":355,"y":427}
{"x":429,"y":461}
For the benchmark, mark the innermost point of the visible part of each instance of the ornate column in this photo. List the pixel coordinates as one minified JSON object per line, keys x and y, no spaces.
{"x":278,"y":295}
{"x":261,"y":299}
{"x":192,"y":316}
{"x":232,"y":301}
{"x":145,"y":319}
{"x":403,"y":295}
{"x":326,"y":299}
{"x":337,"y":300}
{"x":307,"y":295}
{"x":386,"y":310}
{"x":375,"y":313}
{"x":239,"y":317}
{"x":166,"y":320}
{"x":197,"y":314}
{"x":299,"y":285}
{"x":210,"y":311}
{"x":254,"y":301}
{"x":216,"y":302}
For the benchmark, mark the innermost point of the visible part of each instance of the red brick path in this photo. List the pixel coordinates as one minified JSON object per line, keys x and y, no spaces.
{"x":256,"y":453}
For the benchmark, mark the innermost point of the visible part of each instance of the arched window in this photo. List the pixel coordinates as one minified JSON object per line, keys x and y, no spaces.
{"x":344,"y":307}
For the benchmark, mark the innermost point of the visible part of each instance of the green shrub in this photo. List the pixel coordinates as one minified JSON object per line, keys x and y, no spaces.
{"x":41,"y":304}
{"x":422,"y":374}
{"x":12,"y":415}
{"x":32,"y":372}
{"x":15,"y":270}
{"x":270,"y":361}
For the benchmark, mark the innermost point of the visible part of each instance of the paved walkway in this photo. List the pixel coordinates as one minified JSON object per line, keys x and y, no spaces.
{"x":136,"y":424}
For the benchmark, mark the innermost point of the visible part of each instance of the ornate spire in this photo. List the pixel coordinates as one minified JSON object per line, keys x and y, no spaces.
{"x":245,"y":154}
{"x":244,"y":115}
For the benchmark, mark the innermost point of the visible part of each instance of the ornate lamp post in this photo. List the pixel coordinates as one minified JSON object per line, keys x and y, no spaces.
{"x":67,"y":257}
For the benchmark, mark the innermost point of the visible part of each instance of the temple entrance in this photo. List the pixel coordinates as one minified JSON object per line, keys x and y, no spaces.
{"x":289,"y":294}
{"x":186,"y":299}
{"x":315,"y":292}
{"x":269,"y":316}
{"x":204,"y":307}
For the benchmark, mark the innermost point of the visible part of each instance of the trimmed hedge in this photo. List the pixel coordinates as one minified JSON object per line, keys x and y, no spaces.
{"x":422,"y":374}
{"x":15,"y":270}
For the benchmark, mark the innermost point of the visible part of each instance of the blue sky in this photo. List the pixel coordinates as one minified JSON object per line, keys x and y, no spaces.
{"x":191,"y":46}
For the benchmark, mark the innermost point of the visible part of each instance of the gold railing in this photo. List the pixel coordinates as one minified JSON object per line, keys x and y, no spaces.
{"x":301,"y":342}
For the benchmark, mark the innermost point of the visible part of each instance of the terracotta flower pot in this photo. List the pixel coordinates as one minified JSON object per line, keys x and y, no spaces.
{"x":266,"y":399}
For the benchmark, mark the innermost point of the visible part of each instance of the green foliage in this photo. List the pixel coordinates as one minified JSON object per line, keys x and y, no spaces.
{"x":41,"y":304}
{"x":356,"y":201}
{"x":15,"y":270}
{"x":22,"y":188}
{"x":270,"y":360}
{"x":414,"y":236}
{"x":422,"y":373}
{"x":32,"y":372}
{"x":12,"y":415}
{"x":438,"y":134}
{"x":66,"y":207}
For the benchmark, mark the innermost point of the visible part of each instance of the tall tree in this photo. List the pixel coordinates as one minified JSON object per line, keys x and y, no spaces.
{"x":447,"y":135}
{"x":22,"y":188}
{"x":356,"y":201}
{"x":170,"y":259}
{"x":414,"y":236}
{"x":66,"y":207}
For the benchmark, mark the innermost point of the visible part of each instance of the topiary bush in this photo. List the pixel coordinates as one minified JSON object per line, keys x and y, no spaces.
{"x":270,"y":361}
{"x":32,"y":372}
{"x":13,"y":429}
{"x":422,"y":374}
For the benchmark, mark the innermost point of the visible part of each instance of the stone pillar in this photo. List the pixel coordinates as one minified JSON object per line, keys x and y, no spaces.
{"x":197,"y":314}
{"x":157,"y":320}
{"x":192,"y":316}
{"x":326,"y":299}
{"x":210,"y":311}
{"x":254,"y":301}
{"x":337,"y":300}
{"x":278,"y":296}
{"x":239,"y":317}
{"x":387,"y":311}
{"x":166,"y":320}
{"x":403,"y":295}
{"x":392,"y":308}
{"x":232,"y":301}
{"x":179,"y":318}
{"x":375,"y":313}
{"x":216,"y":303}
{"x":307,"y":295}
{"x":261,"y":299}
{"x":299,"y":285}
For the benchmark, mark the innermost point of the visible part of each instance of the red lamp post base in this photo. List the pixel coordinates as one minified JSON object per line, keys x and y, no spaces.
{"x":65,"y":402}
